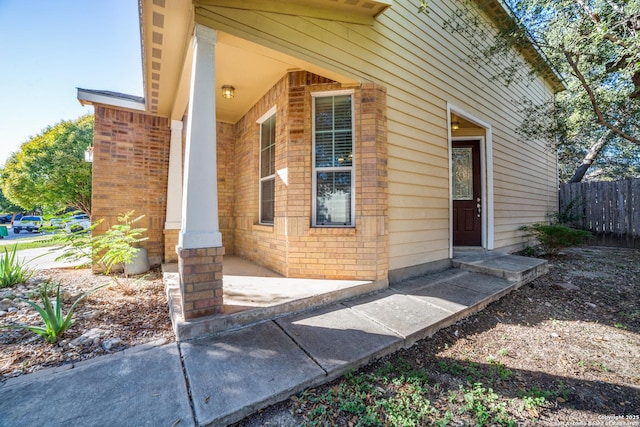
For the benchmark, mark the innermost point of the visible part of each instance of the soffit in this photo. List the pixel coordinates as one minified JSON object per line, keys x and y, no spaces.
{"x":252,"y":69}
{"x":166,"y":28}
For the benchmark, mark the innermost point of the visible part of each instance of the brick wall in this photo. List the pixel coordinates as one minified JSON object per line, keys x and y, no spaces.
{"x":130,"y":166}
{"x":226,"y":162}
{"x":131,"y":155}
{"x":291,"y":246}
{"x":262,"y":244}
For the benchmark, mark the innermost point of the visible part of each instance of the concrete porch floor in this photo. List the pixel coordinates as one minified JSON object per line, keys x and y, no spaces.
{"x":253,"y":294}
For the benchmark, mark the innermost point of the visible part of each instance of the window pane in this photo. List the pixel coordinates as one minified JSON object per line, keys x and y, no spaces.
{"x":267,"y":202}
{"x":324,"y":150}
{"x":333,"y":202}
{"x":267,"y":146}
{"x":343,"y":154}
{"x":342,"y":112}
{"x":462,"y":162}
{"x":267,"y":162}
{"x":324,"y":113}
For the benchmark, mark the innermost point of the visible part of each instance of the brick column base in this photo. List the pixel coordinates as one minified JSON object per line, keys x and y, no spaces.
{"x":200,"y":273}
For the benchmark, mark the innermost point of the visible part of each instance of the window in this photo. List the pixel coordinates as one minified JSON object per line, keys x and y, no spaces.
{"x":333,"y":170}
{"x":267,"y":166}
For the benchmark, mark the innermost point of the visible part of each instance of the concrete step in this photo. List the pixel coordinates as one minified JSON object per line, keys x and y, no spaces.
{"x":515,"y":268}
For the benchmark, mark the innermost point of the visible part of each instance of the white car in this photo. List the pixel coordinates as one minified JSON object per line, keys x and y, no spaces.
{"x":29,"y":223}
{"x":78,"y":223}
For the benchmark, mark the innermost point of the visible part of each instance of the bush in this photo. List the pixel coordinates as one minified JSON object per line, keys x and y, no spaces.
{"x":116,"y":245}
{"x":111,"y":249}
{"x":12,"y":270}
{"x":553,"y":237}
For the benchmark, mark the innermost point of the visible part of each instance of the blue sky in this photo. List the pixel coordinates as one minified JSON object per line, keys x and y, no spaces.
{"x":48,"y":48}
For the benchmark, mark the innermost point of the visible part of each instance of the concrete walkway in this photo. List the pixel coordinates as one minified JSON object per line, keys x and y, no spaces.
{"x":225,"y":377}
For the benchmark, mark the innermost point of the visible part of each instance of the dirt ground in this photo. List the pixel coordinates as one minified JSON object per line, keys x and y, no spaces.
{"x":571,"y":336}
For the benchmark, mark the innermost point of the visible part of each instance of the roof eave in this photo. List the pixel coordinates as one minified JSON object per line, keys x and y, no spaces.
{"x":113,"y":99}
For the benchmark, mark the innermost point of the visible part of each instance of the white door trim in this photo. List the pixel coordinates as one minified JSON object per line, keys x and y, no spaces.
{"x":486,"y":176}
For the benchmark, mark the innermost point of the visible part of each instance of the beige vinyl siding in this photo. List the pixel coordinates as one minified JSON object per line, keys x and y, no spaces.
{"x":419,"y":64}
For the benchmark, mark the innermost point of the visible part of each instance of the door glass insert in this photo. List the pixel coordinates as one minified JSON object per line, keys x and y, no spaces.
{"x":462,"y":173}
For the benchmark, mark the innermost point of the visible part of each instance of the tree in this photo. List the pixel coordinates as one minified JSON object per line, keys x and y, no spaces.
{"x":49,"y":171}
{"x":595,"y":46}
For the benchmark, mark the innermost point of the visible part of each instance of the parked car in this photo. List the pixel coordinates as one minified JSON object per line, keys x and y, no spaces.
{"x":6,"y":219}
{"x":56,"y":222}
{"x":78,"y":223}
{"x":29,"y":223}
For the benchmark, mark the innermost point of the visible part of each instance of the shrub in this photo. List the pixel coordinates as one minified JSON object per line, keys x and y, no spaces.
{"x":553,"y":237}
{"x":12,"y":270}
{"x":112,"y":249}
{"x":116,"y":244}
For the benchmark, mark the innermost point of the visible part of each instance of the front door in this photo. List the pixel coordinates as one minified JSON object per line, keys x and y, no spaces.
{"x":467,"y":197}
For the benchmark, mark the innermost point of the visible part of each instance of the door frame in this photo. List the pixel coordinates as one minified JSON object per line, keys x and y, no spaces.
{"x":486,"y":176}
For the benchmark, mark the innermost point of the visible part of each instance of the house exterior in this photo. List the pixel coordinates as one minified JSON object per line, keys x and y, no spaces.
{"x":351,"y":142}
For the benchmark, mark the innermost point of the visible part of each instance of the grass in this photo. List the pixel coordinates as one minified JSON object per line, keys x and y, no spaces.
{"x":31,"y":243}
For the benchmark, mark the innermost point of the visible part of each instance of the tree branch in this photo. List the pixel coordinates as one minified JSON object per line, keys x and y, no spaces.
{"x":594,"y":102}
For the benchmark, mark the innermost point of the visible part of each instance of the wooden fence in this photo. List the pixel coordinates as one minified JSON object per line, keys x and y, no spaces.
{"x":610,"y":210}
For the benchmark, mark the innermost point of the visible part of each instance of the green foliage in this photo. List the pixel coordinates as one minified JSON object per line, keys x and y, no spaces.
{"x":553,"y":237}
{"x":595,"y":48}
{"x":6,"y":205}
{"x":112,"y":249}
{"x":49,"y":171}
{"x":77,"y":245}
{"x":12,"y":269}
{"x":55,"y":322}
{"x":395,"y":395}
{"x":116,"y":246}
{"x":482,"y":403}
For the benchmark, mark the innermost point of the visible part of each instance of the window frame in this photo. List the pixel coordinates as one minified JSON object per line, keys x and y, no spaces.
{"x":314,"y":169}
{"x":272,"y":112}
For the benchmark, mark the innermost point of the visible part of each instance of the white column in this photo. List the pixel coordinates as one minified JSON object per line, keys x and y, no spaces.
{"x":174,"y":181}
{"x":200,"y":227}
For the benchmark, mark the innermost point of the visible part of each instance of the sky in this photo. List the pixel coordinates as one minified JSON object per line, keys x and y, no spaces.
{"x":48,"y":48}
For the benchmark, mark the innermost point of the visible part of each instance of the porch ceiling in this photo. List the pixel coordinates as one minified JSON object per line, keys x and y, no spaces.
{"x":252,"y":69}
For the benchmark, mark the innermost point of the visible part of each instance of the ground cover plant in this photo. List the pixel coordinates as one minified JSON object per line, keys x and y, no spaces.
{"x":564,"y":349}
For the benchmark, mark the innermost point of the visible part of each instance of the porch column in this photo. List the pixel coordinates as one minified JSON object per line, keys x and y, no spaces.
{"x":200,"y":248}
{"x":173,"y":220}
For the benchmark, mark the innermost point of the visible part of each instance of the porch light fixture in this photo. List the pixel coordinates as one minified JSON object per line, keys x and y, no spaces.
{"x":88,"y":154}
{"x":228,"y":91}
{"x":455,"y":125}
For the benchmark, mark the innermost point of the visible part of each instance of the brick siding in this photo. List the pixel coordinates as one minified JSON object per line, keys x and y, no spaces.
{"x":130,"y":166}
{"x":291,"y":246}
{"x":131,"y":156}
